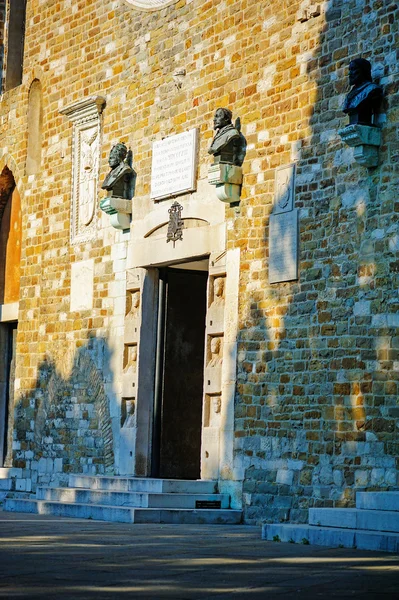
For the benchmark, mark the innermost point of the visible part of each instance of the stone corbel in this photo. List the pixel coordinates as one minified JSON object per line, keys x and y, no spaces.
{"x":120,"y":211}
{"x":227,"y":180}
{"x":310,"y":12}
{"x":365,"y":140}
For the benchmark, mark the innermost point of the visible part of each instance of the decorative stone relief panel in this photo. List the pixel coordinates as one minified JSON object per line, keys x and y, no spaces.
{"x":132,"y":325}
{"x":86,"y":118}
{"x":132,"y":315}
{"x":284,"y":188}
{"x":130,"y":372}
{"x":128,"y":411}
{"x":212,"y":406}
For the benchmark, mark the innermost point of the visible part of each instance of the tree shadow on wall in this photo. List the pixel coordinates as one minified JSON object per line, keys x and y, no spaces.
{"x":353,"y":221}
{"x":64,"y":425}
{"x":313,"y":355}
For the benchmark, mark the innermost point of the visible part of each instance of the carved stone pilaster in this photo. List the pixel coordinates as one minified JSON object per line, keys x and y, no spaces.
{"x":86,"y":118}
{"x":213,"y":376}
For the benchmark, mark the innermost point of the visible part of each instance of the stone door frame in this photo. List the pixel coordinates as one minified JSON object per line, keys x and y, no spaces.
{"x":149,"y":253}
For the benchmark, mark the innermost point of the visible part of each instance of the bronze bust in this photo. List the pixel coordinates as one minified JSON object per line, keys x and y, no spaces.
{"x":363,"y":101}
{"x":228,"y":145}
{"x":118,"y":180}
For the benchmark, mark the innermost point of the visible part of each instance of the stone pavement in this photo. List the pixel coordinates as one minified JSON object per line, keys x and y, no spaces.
{"x":47,"y":557}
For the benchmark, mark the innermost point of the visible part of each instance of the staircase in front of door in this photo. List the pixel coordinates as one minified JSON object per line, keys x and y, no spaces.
{"x":131,"y":500}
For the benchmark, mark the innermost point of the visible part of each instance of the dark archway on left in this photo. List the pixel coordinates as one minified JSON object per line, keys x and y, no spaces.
{"x":10,"y":258}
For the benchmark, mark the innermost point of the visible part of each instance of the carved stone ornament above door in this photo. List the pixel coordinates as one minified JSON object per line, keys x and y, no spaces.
{"x":150,"y":4}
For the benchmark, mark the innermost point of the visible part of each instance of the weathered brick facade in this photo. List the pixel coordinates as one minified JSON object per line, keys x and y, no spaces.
{"x":316,"y":402}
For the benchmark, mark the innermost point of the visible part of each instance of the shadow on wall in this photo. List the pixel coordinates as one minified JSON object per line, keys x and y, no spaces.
{"x":64,"y":425}
{"x":317,"y":386}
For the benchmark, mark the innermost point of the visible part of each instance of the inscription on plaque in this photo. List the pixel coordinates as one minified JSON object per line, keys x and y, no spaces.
{"x":283,"y":247}
{"x":174,"y":164}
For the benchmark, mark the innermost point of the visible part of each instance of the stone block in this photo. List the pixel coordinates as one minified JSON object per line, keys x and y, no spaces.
{"x":285,"y":476}
{"x":213,"y":380}
{"x":333,"y":517}
{"x":377,"y":500}
{"x":21,"y":485}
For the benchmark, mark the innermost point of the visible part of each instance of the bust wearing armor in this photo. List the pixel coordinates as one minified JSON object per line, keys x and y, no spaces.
{"x":118,"y":179}
{"x":363,"y":101}
{"x":228,"y":145}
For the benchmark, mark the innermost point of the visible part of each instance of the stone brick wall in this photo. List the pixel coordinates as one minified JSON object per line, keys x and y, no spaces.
{"x":318,"y":365}
{"x":72,"y":426}
{"x":2,"y":23}
{"x":316,"y":402}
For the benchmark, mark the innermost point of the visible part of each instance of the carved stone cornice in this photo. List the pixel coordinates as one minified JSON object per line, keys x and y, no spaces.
{"x":83,"y":110}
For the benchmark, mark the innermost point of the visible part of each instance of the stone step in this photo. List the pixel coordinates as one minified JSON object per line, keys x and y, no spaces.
{"x":122,"y":514}
{"x":134,"y":499}
{"x":138,"y":484}
{"x":5,"y":484}
{"x":20,"y":495}
{"x":332,"y":537}
{"x":377,"y":501}
{"x":354,"y":518}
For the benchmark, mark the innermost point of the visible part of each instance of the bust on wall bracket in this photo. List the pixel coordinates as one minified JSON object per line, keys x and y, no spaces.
{"x":362,"y":105}
{"x":119,"y":185}
{"x":228,"y":149}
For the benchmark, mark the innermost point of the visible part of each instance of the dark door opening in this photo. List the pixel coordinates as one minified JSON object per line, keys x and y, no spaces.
{"x":8,"y":334}
{"x":180,"y":371}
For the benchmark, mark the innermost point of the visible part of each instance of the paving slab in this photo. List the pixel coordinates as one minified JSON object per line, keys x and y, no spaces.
{"x":57,"y":558}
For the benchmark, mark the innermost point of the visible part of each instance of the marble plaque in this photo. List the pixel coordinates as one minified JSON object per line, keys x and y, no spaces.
{"x":283,"y":247}
{"x":174,"y":165}
{"x":284,"y":188}
{"x":82,"y":274}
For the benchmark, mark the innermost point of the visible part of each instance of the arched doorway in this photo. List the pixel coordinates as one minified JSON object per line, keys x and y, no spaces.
{"x":10,"y":258}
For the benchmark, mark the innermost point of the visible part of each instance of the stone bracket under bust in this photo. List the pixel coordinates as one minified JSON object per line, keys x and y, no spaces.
{"x":119,"y":184}
{"x":228,"y":149}
{"x":362,"y":105}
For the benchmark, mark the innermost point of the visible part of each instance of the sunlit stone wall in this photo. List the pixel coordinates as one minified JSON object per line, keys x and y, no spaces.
{"x":316,"y":401}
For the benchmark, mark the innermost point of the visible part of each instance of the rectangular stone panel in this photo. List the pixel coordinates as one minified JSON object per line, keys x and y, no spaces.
{"x":215,"y":319}
{"x":210,"y":453}
{"x":213,"y":380}
{"x":131,"y":331}
{"x":174,"y":165}
{"x":82,"y":274}
{"x":283,"y":247}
